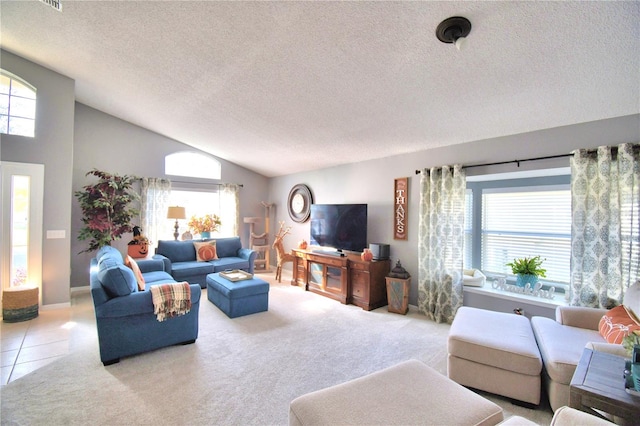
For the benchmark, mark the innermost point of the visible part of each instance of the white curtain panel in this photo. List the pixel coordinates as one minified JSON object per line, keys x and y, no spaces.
{"x":154,"y":205}
{"x":441,"y":242}
{"x":229,"y":209}
{"x":604,"y":232}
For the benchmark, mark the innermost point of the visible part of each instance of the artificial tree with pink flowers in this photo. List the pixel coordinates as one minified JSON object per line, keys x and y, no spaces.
{"x":106,"y":208}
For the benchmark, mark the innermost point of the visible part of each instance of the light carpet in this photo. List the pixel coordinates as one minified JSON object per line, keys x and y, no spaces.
{"x":242,"y":371}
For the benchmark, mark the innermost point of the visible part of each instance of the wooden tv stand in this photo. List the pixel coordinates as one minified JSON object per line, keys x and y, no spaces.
{"x":347,"y":279}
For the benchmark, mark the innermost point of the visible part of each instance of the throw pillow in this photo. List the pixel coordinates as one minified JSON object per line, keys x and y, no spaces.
{"x":618,"y":323}
{"x":116,"y":279}
{"x":205,"y":250}
{"x":136,"y":271}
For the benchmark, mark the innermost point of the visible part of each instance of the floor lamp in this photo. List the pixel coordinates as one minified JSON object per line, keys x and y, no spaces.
{"x":176,"y":213}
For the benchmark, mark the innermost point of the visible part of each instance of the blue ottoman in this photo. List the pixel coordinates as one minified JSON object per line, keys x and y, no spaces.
{"x":238,"y":298}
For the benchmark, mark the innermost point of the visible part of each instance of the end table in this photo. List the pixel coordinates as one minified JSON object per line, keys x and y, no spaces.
{"x":598,"y":383}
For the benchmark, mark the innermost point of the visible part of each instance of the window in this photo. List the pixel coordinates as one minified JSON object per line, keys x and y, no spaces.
{"x":201,"y":197}
{"x":17,"y":106}
{"x":520,"y":218}
{"x":192,"y":164}
{"x":195,"y":202}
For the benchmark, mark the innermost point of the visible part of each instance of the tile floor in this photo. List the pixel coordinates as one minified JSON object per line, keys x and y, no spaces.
{"x":28,"y":345}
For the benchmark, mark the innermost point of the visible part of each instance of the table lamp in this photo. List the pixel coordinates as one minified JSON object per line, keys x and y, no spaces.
{"x":176,"y":213}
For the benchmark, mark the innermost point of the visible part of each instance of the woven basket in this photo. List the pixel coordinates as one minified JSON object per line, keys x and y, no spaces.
{"x":19,"y":304}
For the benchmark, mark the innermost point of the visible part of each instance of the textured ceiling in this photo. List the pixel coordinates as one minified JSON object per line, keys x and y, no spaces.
{"x":285,"y":87}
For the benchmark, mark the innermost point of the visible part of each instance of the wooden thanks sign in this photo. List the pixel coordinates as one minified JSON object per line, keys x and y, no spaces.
{"x":400,"y":207}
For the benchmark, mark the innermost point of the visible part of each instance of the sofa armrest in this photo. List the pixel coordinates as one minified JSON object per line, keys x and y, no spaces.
{"x":610,"y":348}
{"x":250,"y":255}
{"x":138,"y":303}
{"x":150,"y":265}
{"x":165,"y":260}
{"x":571,"y":416}
{"x":579,"y":316}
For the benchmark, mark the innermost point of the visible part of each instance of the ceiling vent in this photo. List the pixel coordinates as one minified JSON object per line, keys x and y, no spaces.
{"x":56,"y":4}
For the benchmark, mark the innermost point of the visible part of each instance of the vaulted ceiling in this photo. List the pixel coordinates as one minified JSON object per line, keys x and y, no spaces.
{"x":285,"y":87}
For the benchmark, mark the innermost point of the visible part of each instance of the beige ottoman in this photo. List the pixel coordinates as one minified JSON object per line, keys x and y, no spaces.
{"x":409,"y":393}
{"x":495,"y":352}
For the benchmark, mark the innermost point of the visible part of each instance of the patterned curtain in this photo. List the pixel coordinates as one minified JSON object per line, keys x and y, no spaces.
{"x":229,"y":209}
{"x":153,"y":209}
{"x":604,"y":231}
{"x":440,"y":242}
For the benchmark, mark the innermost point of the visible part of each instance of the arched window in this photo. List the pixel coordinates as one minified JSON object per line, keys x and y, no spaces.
{"x":17,"y":106}
{"x":192,"y":164}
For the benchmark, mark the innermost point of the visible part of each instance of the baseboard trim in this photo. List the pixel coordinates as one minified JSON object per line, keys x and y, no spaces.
{"x":83,"y":289}
{"x":55,"y":306}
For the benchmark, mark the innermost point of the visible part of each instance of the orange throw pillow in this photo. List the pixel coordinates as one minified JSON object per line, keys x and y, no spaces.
{"x":136,"y":271}
{"x":618,"y":323}
{"x":205,"y":250}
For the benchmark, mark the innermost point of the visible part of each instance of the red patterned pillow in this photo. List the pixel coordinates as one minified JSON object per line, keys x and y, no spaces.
{"x":618,"y":323}
{"x":205,"y":250}
{"x":136,"y":271}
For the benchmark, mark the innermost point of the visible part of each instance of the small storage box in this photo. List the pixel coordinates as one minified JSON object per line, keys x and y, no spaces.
{"x":473,"y":278}
{"x":238,"y":298}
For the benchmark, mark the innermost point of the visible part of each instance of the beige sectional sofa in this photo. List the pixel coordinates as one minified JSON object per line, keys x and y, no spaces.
{"x":511,"y":356}
{"x":561,"y":343}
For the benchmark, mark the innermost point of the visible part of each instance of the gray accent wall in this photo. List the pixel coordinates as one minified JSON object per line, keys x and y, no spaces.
{"x":371,"y":182}
{"x":107,"y":143}
{"x":53,"y":147}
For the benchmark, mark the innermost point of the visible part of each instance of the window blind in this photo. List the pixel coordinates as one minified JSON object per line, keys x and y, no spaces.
{"x":527,"y":222}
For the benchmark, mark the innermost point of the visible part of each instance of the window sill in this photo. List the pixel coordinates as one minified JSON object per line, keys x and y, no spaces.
{"x":487,"y":290}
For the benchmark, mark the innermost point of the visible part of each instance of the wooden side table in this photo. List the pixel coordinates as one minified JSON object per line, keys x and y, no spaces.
{"x":598,"y":382}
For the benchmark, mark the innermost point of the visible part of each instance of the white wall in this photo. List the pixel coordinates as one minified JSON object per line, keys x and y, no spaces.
{"x":371,"y":182}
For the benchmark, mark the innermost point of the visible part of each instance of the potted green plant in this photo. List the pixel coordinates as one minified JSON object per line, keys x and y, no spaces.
{"x":106,"y":210}
{"x":631,"y":341}
{"x":527,"y":270}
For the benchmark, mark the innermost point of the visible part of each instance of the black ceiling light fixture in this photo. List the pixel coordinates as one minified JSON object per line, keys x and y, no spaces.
{"x":454,"y":30}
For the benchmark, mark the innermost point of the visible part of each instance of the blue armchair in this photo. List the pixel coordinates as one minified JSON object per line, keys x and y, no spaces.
{"x":124,"y":316}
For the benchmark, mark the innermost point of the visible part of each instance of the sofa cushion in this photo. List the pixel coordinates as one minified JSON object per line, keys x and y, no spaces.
{"x":497,"y":339}
{"x":618,"y":323}
{"x":106,"y":250}
{"x":205,"y":250}
{"x":177,"y":251}
{"x":116,"y":278}
{"x":157,"y":277}
{"x":109,"y":253}
{"x":131,"y":263}
{"x":224,"y":263}
{"x":228,"y":247}
{"x":182,"y":270}
{"x":561,"y":346}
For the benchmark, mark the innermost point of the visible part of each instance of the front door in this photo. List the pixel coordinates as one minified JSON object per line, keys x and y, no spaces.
{"x":22,"y":187}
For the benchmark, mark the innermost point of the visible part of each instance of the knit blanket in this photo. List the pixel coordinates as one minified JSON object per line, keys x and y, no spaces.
{"x":171,"y":300}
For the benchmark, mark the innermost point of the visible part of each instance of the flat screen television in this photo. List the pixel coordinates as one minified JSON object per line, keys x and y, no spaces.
{"x":339,"y":226}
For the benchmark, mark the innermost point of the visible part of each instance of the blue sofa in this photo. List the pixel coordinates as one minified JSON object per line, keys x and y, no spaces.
{"x":124,"y":316}
{"x":179,"y":259}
